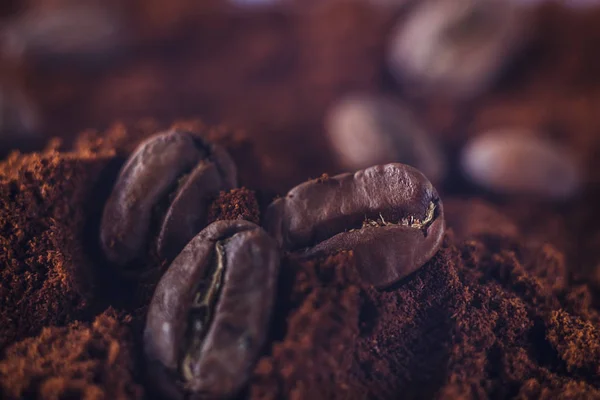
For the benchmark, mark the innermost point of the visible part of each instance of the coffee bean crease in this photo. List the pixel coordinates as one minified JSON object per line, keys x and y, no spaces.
{"x":390,"y":216}
{"x":168,"y":181}
{"x":208,"y":318}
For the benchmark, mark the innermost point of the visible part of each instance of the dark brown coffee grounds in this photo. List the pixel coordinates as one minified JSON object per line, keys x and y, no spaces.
{"x":480,"y":321}
{"x":489,"y":316}
{"x":83,"y":361}
{"x":45,"y":276}
{"x":321,"y":317}
{"x":236,"y":204}
{"x":475,"y":217}
{"x":575,"y":342}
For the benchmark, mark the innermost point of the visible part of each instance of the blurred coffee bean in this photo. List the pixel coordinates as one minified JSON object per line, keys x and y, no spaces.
{"x":456,"y":47}
{"x":516,"y":162}
{"x":369,"y":130}
{"x":73,"y":33}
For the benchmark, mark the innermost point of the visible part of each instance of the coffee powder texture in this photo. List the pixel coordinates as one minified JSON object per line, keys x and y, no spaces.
{"x":82,"y":360}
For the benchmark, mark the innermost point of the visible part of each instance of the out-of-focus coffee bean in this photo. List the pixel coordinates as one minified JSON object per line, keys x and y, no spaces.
{"x":455,"y":48}
{"x":82,"y":32}
{"x":369,"y":130}
{"x":517,"y":162}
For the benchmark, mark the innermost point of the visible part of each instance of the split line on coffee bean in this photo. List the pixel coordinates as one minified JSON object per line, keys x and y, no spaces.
{"x":410,"y":221}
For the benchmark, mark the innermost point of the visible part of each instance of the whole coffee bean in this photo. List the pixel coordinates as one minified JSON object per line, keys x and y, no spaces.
{"x":209,"y":316}
{"x":518,"y":163}
{"x":390,"y":216}
{"x":369,"y":130}
{"x":175,"y":167}
{"x":455,"y":48}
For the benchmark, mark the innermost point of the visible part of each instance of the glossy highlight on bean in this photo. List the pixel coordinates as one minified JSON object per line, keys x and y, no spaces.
{"x":176,"y":170}
{"x":209,"y":316}
{"x":390,"y":216}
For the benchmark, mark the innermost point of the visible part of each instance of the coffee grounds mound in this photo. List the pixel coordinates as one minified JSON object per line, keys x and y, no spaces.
{"x":486,"y":318}
{"x":87,"y":361}
{"x":42,"y":281}
{"x":495,"y":313}
{"x":235,"y":204}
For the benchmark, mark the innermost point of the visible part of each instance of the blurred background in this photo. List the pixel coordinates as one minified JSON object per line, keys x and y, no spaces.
{"x":338,"y":82}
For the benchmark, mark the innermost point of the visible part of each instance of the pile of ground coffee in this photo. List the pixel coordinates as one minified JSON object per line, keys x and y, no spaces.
{"x":506,"y":308}
{"x":495,"y":313}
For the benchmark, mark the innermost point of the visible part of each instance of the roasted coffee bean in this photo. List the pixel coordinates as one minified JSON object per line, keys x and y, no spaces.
{"x":515,"y":162}
{"x":455,"y":48}
{"x":178,"y":163}
{"x":390,"y":216}
{"x":367,"y":130}
{"x":209,"y":316}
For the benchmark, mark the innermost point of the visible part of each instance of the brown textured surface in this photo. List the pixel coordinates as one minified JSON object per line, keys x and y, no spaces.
{"x":87,"y":361}
{"x":44,"y":277}
{"x":236,"y":204}
{"x":320,"y":330}
{"x":491,"y":315}
{"x":507,"y":308}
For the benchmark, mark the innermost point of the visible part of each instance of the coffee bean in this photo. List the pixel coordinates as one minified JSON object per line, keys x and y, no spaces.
{"x":192,"y":170}
{"x":455,"y":48}
{"x":369,"y":130}
{"x":390,"y":216}
{"x":515,"y":162}
{"x":209,"y":316}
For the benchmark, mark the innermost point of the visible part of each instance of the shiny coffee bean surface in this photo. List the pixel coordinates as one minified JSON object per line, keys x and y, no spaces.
{"x":390,"y":216}
{"x":209,"y":316}
{"x":168,"y":181}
